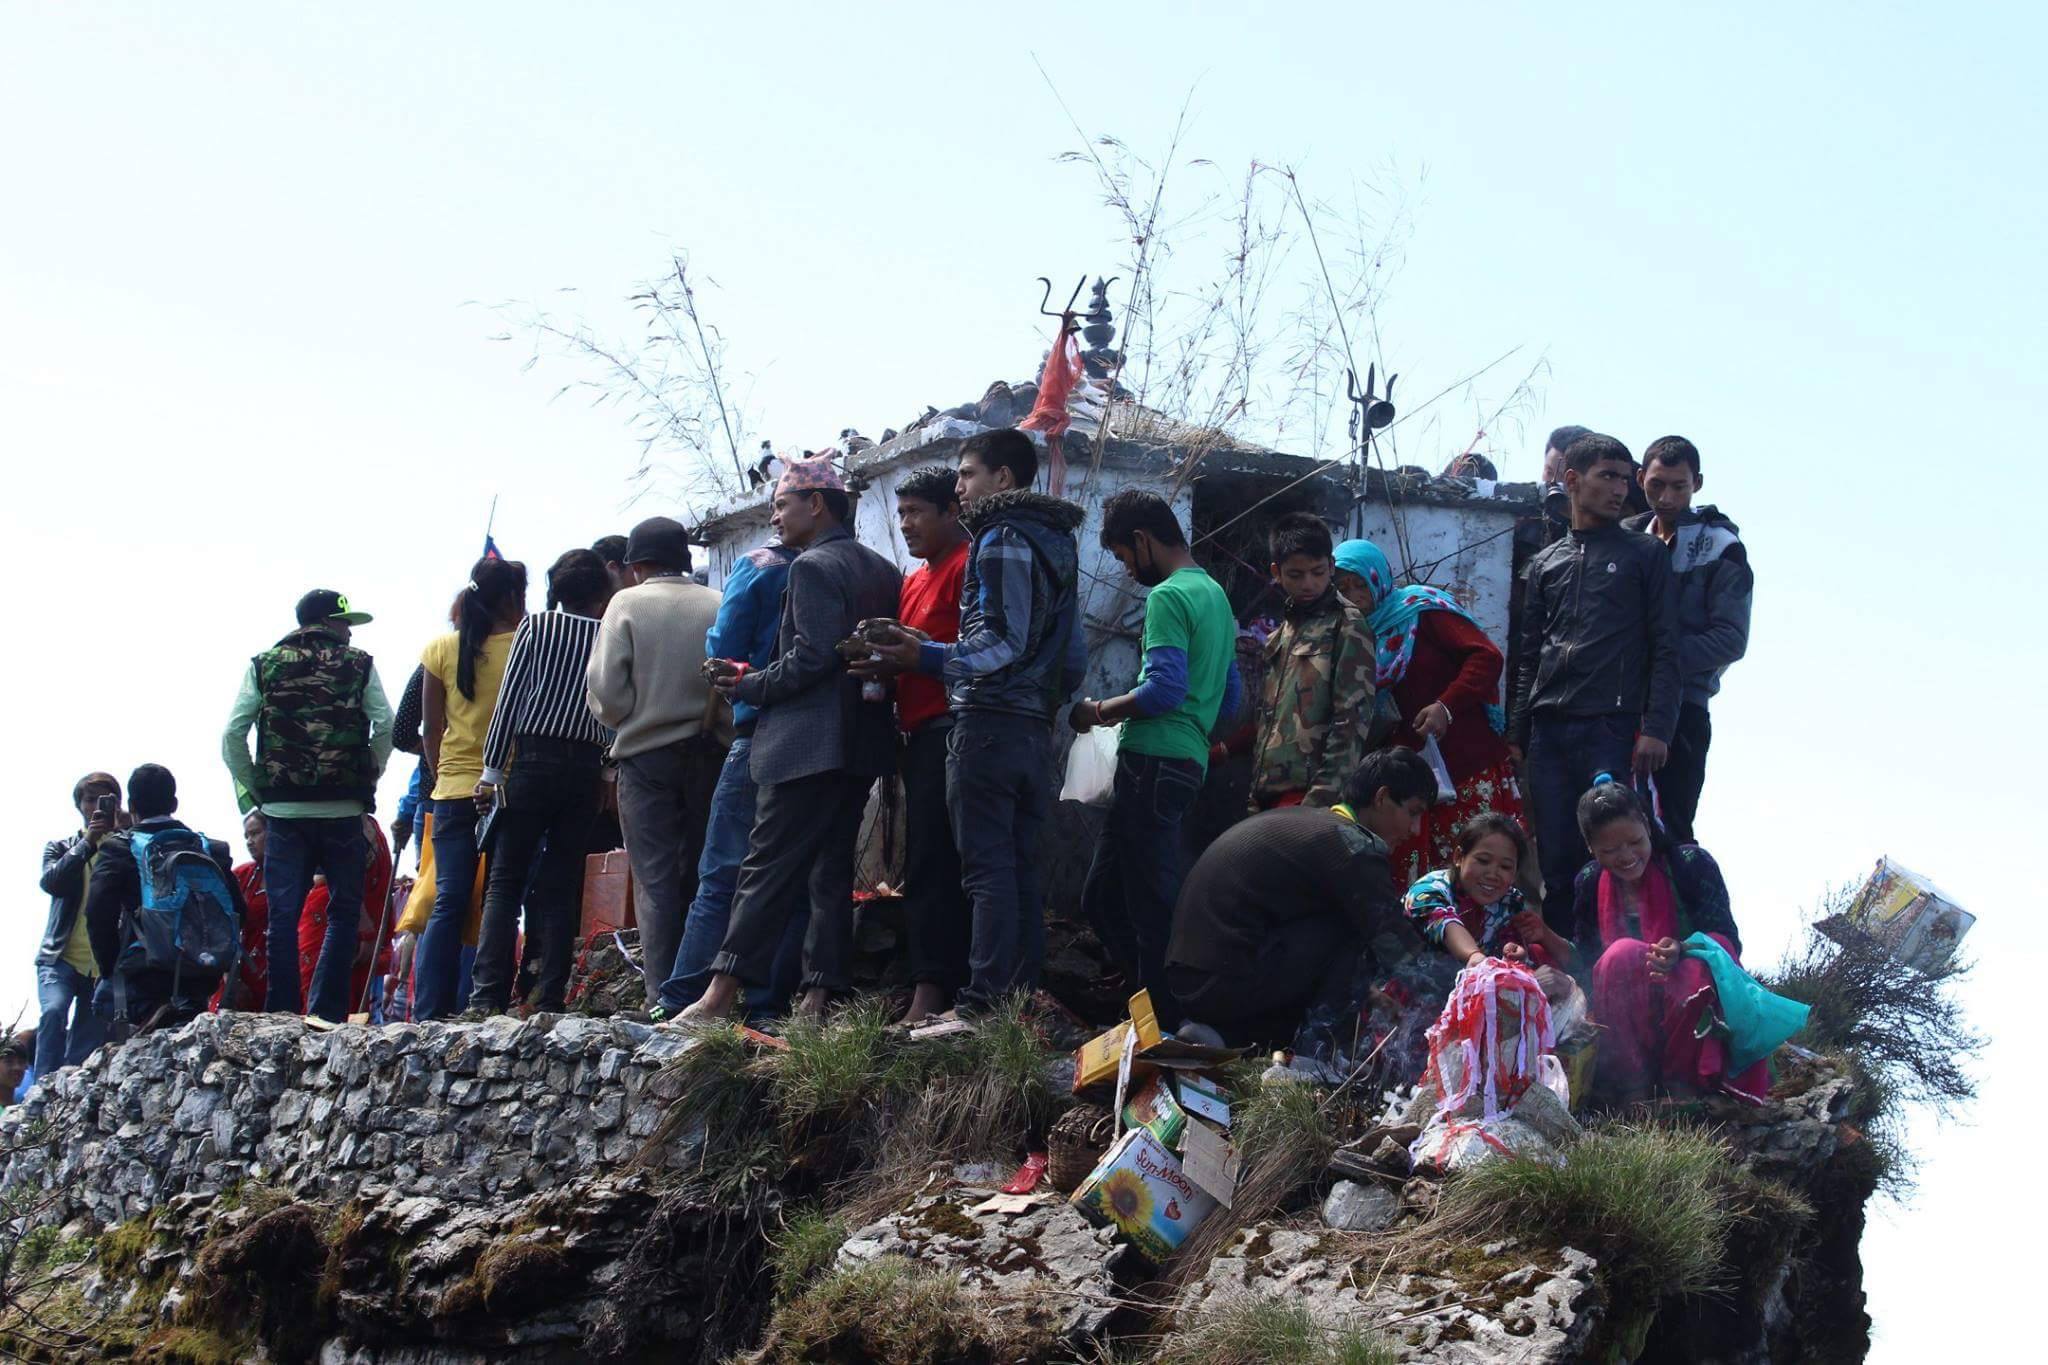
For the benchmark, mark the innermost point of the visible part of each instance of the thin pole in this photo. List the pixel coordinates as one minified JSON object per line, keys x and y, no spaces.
{"x":491,"y":520}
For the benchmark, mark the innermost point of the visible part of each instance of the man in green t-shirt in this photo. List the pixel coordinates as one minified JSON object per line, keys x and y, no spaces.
{"x":1189,"y":676}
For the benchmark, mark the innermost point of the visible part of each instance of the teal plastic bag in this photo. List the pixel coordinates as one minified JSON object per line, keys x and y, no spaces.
{"x":1757,"y":1020}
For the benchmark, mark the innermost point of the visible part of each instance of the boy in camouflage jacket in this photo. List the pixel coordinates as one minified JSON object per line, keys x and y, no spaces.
{"x":1316,"y":705}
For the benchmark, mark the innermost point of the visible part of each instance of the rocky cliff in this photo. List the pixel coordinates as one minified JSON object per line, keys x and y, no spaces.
{"x":249,"y":1188}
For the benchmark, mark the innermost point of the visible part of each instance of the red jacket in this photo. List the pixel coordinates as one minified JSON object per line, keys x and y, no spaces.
{"x":931,"y":602}
{"x":1454,"y":663}
{"x":252,"y":971}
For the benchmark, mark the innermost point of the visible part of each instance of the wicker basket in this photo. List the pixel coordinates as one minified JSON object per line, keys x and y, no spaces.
{"x":1076,"y":1143}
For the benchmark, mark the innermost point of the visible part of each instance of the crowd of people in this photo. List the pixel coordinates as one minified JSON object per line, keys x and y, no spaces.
{"x":1418,"y":798}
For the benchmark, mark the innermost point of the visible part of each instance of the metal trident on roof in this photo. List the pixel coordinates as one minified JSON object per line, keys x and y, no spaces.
{"x":1369,"y":411}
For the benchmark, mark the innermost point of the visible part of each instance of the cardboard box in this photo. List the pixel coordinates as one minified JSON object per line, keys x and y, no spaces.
{"x":1099,"y":1057}
{"x":1139,"y":1189}
{"x":1203,"y":1098}
{"x":1152,"y":1107}
{"x":1910,"y":915}
{"x":1097,"y":1060}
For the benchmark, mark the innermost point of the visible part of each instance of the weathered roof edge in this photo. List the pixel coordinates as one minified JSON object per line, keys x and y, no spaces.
{"x":1165,"y":443}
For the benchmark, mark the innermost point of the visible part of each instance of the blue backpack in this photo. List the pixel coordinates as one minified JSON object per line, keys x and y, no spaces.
{"x":186,"y":924}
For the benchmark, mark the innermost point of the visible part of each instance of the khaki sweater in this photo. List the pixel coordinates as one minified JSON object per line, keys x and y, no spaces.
{"x":646,"y":676}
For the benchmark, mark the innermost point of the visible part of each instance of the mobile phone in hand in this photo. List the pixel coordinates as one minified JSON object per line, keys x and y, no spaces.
{"x":108,"y":806}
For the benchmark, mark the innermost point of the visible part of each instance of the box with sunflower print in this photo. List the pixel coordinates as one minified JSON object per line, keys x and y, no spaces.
{"x":1138,"y":1188}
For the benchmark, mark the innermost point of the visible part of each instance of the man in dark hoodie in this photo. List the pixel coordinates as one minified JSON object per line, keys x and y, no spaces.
{"x":1596,"y":682}
{"x":1021,"y":654}
{"x":1714,"y":590}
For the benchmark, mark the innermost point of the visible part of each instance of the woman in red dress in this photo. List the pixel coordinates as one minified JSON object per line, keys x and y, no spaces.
{"x":1635,"y":904}
{"x":1443,"y":674}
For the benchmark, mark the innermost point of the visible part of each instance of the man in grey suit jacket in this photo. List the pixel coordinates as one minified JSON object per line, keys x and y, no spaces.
{"x":818,"y":748}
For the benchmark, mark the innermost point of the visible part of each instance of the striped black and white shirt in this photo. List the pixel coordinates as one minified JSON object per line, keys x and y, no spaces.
{"x":543,"y":692}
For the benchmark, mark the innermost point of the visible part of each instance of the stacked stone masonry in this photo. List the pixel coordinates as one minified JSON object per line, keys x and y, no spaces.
{"x":476,"y":1113}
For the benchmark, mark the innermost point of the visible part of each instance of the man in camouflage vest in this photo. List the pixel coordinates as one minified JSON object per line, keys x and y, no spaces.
{"x":323,"y":735}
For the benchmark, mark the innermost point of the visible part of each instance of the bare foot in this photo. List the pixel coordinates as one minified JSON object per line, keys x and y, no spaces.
{"x":716,"y":1003}
{"x":925,"y":1002}
{"x":814,"y":1003}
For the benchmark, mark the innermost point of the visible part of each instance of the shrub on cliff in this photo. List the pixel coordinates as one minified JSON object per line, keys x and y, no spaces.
{"x":1650,"y":1202}
{"x":1904,"y":1027}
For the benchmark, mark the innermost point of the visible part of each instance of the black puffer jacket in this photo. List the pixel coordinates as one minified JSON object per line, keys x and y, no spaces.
{"x":1599,"y":633}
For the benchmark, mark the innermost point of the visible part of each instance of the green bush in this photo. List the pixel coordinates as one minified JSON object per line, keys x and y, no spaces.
{"x":809,"y":1243}
{"x":1651,"y":1203}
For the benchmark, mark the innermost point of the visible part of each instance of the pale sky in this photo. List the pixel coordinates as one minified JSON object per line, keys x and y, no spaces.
{"x":236,"y":360}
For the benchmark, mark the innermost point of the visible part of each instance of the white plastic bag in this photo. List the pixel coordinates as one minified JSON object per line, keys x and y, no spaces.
{"x":1446,"y":790}
{"x":1091,"y":766}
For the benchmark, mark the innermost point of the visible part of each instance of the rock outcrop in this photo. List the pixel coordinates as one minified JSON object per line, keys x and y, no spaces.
{"x":512,"y":1191}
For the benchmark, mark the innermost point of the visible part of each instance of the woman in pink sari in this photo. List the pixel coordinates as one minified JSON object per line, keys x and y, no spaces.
{"x":1634,"y":906}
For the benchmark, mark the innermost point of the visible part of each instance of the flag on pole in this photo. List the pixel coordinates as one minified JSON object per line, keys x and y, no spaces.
{"x":491,"y":547}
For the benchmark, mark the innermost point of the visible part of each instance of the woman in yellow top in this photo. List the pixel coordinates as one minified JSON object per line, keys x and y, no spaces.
{"x":463,"y":671}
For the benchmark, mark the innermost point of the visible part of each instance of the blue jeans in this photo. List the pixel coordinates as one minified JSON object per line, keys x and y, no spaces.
{"x":293,"y":851}
{"x":69,"y":1030}
{"x":1134,"y":881}
{"x":1565,"y":754}
{"x":999,"y":793}
{"x":437,"y":964}
{"x":718,"y":877}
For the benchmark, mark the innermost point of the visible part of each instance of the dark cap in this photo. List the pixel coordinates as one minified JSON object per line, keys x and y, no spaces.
{"x":660,"y":540}
{"x":325,"y":604}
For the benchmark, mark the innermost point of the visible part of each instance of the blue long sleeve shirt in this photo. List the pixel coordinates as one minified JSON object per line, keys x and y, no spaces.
{"x":1165,"y":684}
{"x":749,"y":613}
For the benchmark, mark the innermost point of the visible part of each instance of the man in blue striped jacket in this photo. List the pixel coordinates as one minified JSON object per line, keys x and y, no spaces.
{"x":1020,"y":655}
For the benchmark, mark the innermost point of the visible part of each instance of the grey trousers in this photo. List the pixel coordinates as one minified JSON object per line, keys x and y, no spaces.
{"x":664,"y":800}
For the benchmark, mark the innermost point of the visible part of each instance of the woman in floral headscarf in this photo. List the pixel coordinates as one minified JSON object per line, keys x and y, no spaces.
{"x":1443,"y":674}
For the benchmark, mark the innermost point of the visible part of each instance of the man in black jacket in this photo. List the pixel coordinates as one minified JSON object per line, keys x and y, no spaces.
{"x":819,"y":744}
{"x":1278,"y":915}
{"x":66,"y":971}
{"x":1597,"y":681}
{"x":154,"y":998}
{"x":1714,"y":589}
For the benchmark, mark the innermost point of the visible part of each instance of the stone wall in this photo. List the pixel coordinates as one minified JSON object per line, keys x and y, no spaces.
{"x":474,"y":1113}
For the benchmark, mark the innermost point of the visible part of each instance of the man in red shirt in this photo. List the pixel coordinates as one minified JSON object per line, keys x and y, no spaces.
{"x":928,"y":514}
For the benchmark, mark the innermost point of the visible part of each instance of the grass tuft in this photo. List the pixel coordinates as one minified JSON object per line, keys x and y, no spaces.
{"x":809,"y":1243}
{"x":1650,"y":1202}
{"x":1255,"y":1330}
{"x":832,"y":1067}
{"x":852,"y":1105}
{"x":896,"y":1310}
